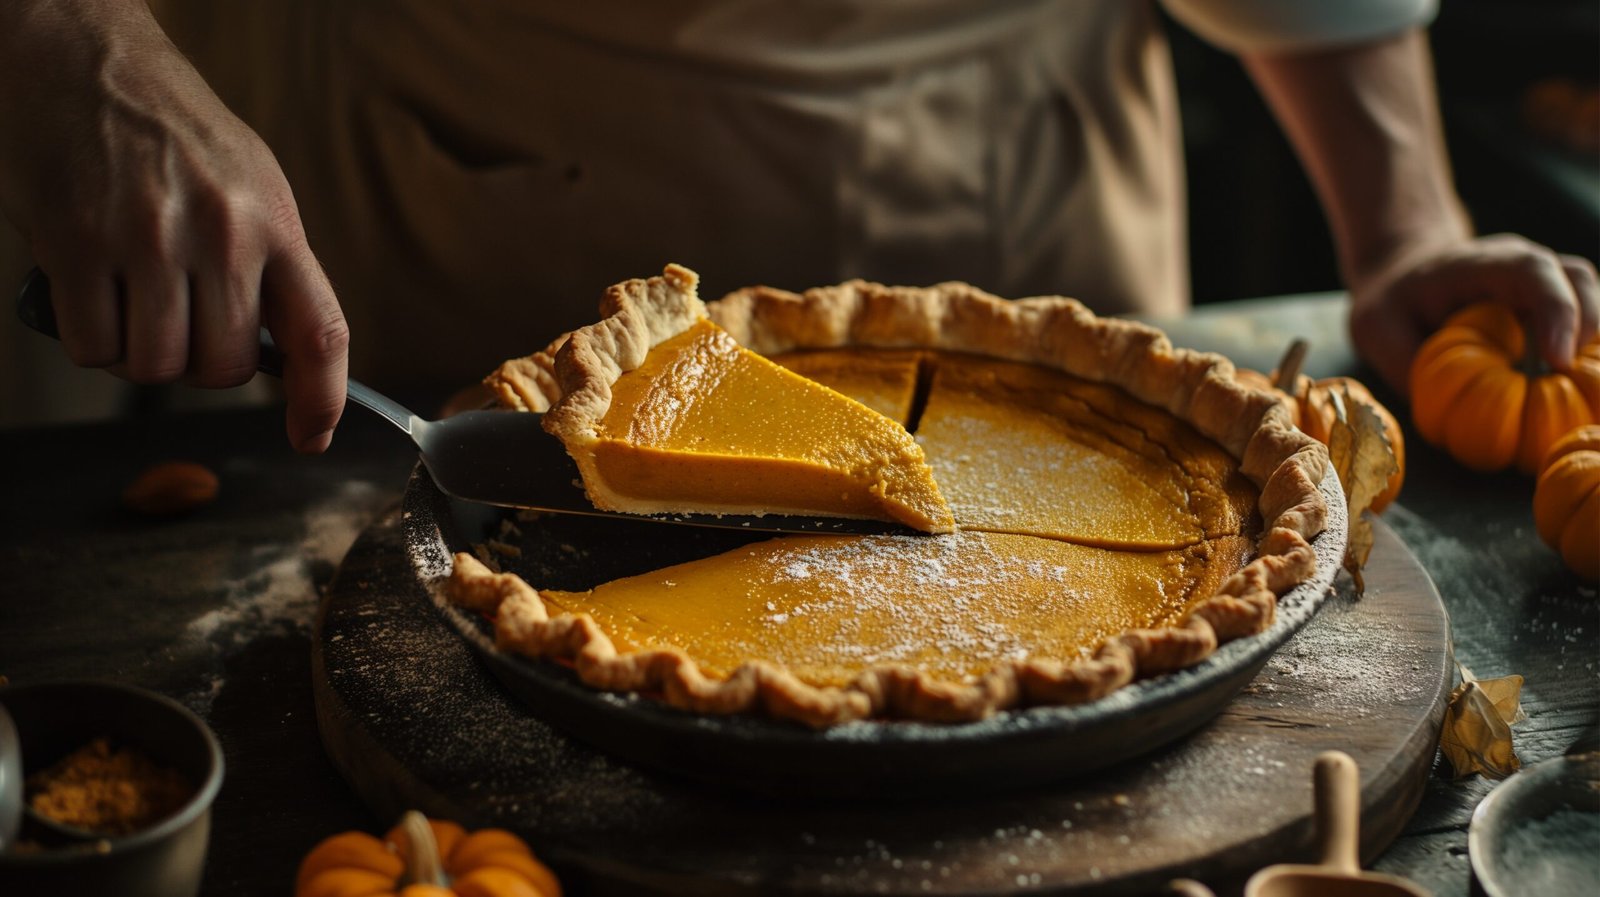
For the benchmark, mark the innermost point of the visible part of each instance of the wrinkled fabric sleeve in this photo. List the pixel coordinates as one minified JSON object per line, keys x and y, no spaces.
{"x":1286,"y":26}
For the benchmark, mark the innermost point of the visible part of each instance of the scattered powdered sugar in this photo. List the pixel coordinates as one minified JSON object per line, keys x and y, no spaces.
{"x":1479,"y":579}
{"x":458,"y":731}
{"x":955,"y":605}
{"x":797,"y":570}
{"x":280,"y":592}
{"x":954,"y":561}
{"x":1335,"y":659}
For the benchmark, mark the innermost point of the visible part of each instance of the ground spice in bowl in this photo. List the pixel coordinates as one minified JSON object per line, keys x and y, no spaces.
{"x":107,"y":791}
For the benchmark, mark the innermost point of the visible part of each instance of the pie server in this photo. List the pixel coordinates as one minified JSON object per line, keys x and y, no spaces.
{"x":494,"y":457}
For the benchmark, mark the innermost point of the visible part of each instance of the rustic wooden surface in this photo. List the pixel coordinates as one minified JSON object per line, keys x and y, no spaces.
{"x":1366,"y":676}
{"x":216,"y":609}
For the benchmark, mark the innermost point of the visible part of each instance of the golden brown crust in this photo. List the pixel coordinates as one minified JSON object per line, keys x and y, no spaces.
{"x":635,"y":316}
{"x":529,"y":383}
{"x":1056,"y":332}
{"x":569,"y":381}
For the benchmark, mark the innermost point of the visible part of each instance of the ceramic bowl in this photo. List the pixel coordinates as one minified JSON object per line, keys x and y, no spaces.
{"x":54,"y":719}
{"x":1534,"y":833}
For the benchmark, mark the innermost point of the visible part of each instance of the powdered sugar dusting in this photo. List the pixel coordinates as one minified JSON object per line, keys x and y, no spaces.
{"x":829,"y":607}
{"x":279,"y":594}
{"x":1030,"y":472}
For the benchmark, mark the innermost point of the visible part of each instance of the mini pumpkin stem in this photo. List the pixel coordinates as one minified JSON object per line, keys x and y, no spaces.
{"x":1289,"y":367}
{"x":1340,"y":412}
{"x":423,"y":866}
{"x":1533,"y":363}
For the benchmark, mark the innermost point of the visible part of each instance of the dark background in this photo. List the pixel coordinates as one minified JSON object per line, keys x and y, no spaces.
{"x":1255,"y":228}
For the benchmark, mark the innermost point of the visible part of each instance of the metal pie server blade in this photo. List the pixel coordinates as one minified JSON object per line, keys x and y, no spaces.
{"x":494,"y":457}
{"x":506,"y":458}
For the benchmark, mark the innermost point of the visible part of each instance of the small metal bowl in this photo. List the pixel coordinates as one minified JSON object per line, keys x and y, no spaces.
{"x":52,"y":720}
{"x":10,"y":780}
{"x":1533,"y":833}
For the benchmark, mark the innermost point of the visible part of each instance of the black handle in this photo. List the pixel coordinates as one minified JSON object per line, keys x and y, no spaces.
{"x":33,"y":304}
{"x":38,"y":312}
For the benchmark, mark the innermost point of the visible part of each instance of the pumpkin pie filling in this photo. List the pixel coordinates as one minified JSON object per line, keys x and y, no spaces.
{"x":828,"y":608}
{"x":704,"y":425}
{"x":1100,"y":538}
{"x":884,"y":380}
{"x":1045,"y":473}
{"x":1021,"y":449}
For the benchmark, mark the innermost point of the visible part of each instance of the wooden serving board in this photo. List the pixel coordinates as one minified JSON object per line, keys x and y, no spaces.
{"x":413,"y":720}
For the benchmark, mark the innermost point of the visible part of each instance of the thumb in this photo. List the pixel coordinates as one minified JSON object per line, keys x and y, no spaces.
{"x":304,"y":318}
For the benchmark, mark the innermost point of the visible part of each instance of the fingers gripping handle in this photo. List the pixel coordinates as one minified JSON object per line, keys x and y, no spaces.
{"x":33,"y":305}
{"x":38,"y":312}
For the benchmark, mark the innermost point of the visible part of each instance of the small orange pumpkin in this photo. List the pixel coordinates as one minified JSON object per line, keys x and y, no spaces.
{"x":424,"y":857}
{"x":1475,"y":394}
{"x":1566,"y":500}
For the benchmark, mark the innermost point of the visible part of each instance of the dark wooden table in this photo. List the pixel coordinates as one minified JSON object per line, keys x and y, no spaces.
{"x":216,"y":608}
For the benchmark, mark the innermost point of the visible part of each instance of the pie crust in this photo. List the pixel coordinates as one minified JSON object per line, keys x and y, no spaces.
{"x":1197,"y":388}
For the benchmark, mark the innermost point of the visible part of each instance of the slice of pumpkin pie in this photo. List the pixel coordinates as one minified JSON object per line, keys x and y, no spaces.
{"x":664,"y":412}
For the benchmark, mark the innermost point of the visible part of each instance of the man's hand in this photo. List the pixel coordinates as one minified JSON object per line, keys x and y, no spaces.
{"x":1365,"y":121}
{"x":167,"y":229}
{"x":1557,"y":297}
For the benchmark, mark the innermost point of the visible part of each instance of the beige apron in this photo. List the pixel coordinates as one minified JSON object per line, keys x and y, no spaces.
{"x":472,"y":175}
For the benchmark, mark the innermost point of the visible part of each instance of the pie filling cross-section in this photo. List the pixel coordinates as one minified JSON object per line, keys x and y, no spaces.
{"x":1121,"y":507}
{"x":664,"y":412}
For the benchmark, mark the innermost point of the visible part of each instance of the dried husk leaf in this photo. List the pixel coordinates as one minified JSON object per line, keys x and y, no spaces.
{"x":1358,"y":546}
{"x":1364,"y":459}
{"x":1477,"y":726}
{"x":1368,"y":460}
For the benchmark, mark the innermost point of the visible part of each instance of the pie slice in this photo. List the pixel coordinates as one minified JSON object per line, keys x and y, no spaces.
{"x":664,"y":412}
{"x":1124,"y":508}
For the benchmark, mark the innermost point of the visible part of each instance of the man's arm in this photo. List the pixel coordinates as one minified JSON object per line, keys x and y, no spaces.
{"x":1365,"y":122}
{"x":165,"y":224}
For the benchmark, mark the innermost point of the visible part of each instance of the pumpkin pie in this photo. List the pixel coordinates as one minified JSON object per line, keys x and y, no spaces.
{"x":1122,"y":507}
{"x":664,"y":412}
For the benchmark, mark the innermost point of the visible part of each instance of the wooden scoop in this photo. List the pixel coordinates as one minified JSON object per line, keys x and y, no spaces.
{"x":1338,"y":805}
